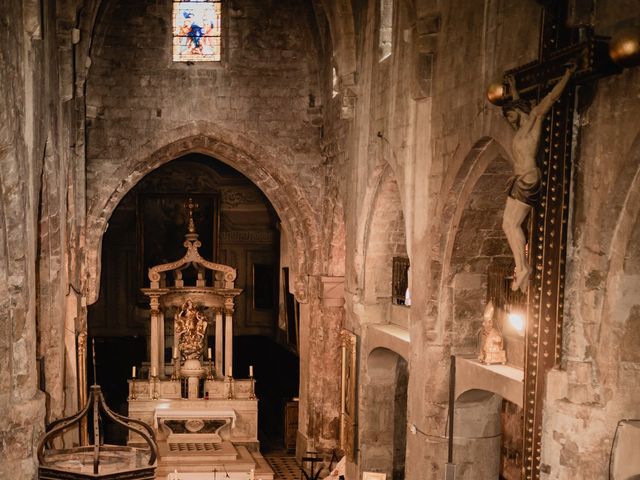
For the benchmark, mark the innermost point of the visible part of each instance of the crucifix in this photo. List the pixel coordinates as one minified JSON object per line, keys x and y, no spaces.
{"x":589,"y":57}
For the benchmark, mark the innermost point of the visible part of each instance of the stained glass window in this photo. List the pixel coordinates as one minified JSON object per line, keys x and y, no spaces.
{"x":197,"y":31}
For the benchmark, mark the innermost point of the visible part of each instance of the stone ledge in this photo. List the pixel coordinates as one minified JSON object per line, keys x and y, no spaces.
{"x":504,"y":380}
{"x":392,"y":337}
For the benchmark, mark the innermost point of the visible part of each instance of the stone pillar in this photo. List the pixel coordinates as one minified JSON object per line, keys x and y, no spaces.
{"x":219,"y":345}
{"x":323,"y":367}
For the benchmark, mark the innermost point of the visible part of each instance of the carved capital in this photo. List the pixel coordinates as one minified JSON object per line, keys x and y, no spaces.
{"x":301,"y":288}
{"x":332,"y":291}
{"x":228,"y":306}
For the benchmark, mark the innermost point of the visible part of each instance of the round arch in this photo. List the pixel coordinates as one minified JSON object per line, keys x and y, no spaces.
{"x":289,"y":200}
{"x":383,"y":428}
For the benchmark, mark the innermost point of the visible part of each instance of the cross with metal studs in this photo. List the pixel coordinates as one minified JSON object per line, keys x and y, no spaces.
{"x":559,"y":45}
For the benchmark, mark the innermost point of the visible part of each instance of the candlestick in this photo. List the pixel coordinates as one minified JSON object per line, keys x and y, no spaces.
{"x":175,"y":352}
{"x":154,"y":380}
{"x":133,"y":372}
{"x":230,"y":386}
{"x":252,"y":388}
{"x":229,"y":372}
{"x":209,"y":353}
{"x":132,"y":394}
{"x":251,"y":370}
{"x":176,"y":369}
{"x":210,"y":370}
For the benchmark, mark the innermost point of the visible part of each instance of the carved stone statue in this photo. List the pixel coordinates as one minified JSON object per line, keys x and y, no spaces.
{"x":191,"y":327}
{"x":491,"y":342}
{"x":524,"y":187}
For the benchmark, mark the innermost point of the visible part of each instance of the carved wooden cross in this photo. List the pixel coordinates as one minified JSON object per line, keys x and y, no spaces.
{"x":559,"y":45}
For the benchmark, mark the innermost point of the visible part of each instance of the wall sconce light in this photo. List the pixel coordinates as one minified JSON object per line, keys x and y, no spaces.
{"x":517,"y":320}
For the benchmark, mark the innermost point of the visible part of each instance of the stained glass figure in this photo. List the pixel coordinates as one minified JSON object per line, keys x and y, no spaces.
{"x":197,"y":31}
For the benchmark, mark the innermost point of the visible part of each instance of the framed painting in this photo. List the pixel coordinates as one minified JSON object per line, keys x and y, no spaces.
{"x":348,"y":393}
{"x":162,"y":222}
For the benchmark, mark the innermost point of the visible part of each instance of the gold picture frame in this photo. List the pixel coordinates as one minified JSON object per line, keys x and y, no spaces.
{"x":348,"y":394}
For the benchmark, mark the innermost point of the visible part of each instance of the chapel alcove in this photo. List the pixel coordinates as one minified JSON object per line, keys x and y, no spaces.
{"x":385,"y":240}
{"x":383,"y":422}
{"x":479,"y":244}
{"x":238,"y":227}
{"x":480,"y":249}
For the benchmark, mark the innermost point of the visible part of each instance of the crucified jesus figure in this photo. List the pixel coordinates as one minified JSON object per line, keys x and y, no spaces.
{"x":524,"y":187}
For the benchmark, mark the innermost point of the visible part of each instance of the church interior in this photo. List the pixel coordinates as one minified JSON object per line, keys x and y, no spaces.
{"x":363,"y":239}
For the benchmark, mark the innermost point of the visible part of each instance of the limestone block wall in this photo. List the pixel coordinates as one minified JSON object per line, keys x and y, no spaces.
{"x":22,"y":409}
{"x":440,"y":142}
{"x":37,"y":213}
{"x":260,"y":110}
{"x":600,"y":382}
{"x":260,"y":90}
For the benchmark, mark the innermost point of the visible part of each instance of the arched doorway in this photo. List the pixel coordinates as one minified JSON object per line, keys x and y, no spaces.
{"x":238,"y":226}
{"x":383,"y":418}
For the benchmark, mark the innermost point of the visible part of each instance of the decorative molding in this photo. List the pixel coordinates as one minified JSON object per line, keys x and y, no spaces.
{"x":252,"y":236}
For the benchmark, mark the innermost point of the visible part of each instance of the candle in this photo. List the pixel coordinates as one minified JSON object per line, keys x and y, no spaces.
{"x":251,"y":370}
{"x":133,"y":372}
{"x":153,"y":371}
{"x":229,"y":371}
{"x":209,"y":353}
{"x":252,"y":474}
{"x":175,"y":352}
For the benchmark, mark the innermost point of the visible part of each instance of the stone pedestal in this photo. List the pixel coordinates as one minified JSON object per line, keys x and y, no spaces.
{"x":193,"y":370}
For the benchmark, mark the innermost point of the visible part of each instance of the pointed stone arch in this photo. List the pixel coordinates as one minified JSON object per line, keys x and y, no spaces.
{"x":281,"y":188}
{"x":616,"y":313}
{"x":342,"y":27}
{"x":381,"y":232}
{"x":474,"y":165}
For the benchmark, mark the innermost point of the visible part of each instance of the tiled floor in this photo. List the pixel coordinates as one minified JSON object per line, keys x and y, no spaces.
{"x":285,"y":468}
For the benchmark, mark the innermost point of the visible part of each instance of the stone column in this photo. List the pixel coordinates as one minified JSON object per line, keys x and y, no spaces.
{"x":161,"y":373}
{"x":323,"y":367}
{"x":219,"y":344}
{"x":228,"y":335}
{"x":154,"y":340}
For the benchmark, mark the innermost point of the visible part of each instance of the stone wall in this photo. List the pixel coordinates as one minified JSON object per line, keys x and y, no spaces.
{"x":600,"y":380}
{"x":439,"y":142}
{"x":260,"y":90}
{"x":35,"y":216}
{"x":260,"y":111}
{"x":269,"y":110}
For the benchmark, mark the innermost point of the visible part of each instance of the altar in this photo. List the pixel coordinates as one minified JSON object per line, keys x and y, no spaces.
{"x":205,"y":420}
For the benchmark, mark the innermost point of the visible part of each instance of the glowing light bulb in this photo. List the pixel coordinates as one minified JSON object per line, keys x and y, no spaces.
{"x":517,"y":321}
